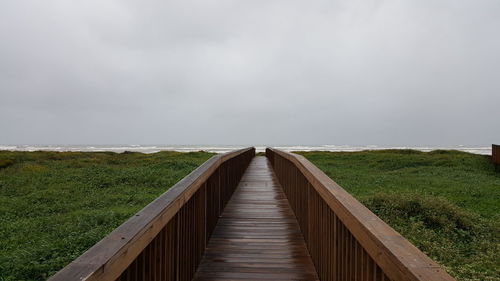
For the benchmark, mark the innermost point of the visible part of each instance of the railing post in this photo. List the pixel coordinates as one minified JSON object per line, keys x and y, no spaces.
{"x":495,"y":156}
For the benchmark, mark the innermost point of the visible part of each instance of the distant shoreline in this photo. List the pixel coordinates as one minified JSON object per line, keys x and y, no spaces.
{"x":483,"y":150}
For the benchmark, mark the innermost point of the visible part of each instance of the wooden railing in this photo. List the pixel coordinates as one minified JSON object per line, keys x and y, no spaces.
{"x":166,"y":239}
{"x":346,"y":240}
{"x":495,"y":155}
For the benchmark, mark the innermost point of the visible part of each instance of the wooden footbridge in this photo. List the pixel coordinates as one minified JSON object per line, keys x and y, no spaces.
{"x":241,"y":217}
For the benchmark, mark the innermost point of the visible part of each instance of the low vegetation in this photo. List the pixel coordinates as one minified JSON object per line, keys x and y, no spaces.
{"x":447,"y":203}
{"x":55,"y":205}
{"x":4,"y":163}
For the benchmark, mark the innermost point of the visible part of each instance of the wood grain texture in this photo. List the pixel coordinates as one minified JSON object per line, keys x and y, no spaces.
{"x":495,"y":154}
{"x":166,"y":239}
{"x":214,"y":226}
{"x":345,"y":239}
{"x":257,"y":237}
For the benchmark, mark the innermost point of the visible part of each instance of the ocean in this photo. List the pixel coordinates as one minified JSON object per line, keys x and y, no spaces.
{"x":485,"y":150}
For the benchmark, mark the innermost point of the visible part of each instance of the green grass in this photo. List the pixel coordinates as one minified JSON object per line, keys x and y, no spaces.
{"x":54,"y":206}
{"x":447,"y":203}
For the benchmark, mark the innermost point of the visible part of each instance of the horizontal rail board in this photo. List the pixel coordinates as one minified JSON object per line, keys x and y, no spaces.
{"x":186,"y":202}
{"x":343,"y":236}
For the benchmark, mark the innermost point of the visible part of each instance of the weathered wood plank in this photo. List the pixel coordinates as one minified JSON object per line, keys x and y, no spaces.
{"x":257,"y":237}
{"x":135,"y":242}
{"x":363,"y":244}
{"x":495,"y":155}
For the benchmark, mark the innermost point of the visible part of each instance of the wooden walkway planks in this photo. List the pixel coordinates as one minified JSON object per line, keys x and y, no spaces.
{"x":257,"y":237}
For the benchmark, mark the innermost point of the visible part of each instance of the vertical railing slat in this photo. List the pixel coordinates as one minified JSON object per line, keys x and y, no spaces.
{"x":166,"y":240}
{"x":333,"y":245}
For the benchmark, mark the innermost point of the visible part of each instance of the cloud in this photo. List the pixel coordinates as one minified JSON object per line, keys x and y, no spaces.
{"x":251,"y":72}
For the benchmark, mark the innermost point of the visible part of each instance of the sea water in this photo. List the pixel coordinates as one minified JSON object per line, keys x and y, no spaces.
{"x":485,"y":150}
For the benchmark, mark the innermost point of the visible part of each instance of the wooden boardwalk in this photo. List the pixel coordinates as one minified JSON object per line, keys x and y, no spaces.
{"x":257,"y":237}
{"x":230,"y":219}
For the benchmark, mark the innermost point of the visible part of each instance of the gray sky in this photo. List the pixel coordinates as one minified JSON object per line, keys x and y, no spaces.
{"x":250,"y":72}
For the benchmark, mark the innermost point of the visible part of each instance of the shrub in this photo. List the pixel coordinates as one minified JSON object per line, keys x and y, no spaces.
{"x":4,"y":163}
{"x":434,"y":212}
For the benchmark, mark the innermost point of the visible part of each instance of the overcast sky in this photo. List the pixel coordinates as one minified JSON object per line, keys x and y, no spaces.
{"x":250,"y":72}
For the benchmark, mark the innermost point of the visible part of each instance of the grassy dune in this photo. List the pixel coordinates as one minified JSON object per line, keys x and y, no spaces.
{"x":54,"y":206}
{"x":447,"y":203}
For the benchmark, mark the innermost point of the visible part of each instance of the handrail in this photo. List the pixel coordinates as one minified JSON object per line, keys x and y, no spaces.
{"x":345,"y":239}
{"x":156,"y":243}
{"x":495,"y":154}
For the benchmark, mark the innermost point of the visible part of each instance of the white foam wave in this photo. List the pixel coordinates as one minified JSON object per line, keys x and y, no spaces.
{"x":227,"y":148}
